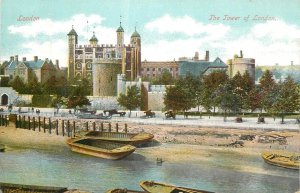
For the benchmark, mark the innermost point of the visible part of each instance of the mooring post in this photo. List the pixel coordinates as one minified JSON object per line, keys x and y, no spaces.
{"x":87,"y":126}
{"x":20,"y":121}
{"x":28,"y":122}
{"x":94,"y":126}
{"x":68,"y":128}
{"x":50,"y":125}
{"x":33,"y":123}
{"x":16,"y":122}
{"x":39,"y":122}
{"x":56,"y":122}
{"x":7,"y":120}
{"x":101,"y":126}
{"x":74,"y":128}
{"x":1,"y":118}
{"x":44,"y":121}
{"x":109,"y":127}
{"x":24,"y":122}
{"x":63,"y":127}
{"x":117,"y":127}
{"x":126,"y":128}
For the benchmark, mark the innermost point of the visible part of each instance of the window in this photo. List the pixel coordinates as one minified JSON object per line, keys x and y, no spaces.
{"x":153,"y":69}
{"x":147,"y":69}
{"x":171,"y":69}
{"x":159,"y":69}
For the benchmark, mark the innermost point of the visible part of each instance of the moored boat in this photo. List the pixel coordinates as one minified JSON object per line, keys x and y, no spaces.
{"x":155,"y":187}
{"x":124,"y":191}
{"x":282,"y":158}
{"x":100,"y":148}
{"x":21,"y":188}
{"x":126,"y":138}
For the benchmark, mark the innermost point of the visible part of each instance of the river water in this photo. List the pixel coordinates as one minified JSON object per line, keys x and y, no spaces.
{"x":61,"y":167}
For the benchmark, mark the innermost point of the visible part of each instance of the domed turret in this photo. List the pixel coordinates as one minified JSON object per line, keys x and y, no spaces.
{"x":93,"y":40}
{"x":135,"y":38}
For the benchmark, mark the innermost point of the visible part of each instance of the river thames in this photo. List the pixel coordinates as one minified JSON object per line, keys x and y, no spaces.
{"x":61,"y":167}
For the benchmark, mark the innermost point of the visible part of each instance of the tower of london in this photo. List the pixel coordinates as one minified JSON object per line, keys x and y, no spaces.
{"x":100,"y":63}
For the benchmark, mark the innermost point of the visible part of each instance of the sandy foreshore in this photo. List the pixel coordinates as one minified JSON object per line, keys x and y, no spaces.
{"x":217,"y":138}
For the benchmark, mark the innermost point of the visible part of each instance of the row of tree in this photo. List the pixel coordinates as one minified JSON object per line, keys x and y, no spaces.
{"x":69,"y":94}
{"x":238,"y":95}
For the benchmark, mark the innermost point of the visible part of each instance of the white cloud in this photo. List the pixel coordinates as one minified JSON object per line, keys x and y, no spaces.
{"x":186,"y":25}
{"x":49,"y":27}
{"x":56,"y":49}
{"x":269,"y":43}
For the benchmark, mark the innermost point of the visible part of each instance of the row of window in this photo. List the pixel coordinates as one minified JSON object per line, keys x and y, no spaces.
{"x":159,"y":69}
{"x":154,"y":75}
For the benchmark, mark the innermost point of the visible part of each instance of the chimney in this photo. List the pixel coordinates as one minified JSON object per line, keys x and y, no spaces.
{"x":207,"y":55}
{"x":24,"y":59}
{"x":11,"y":58}
{"x":196,"y":57}
{"x":241,"y":54}
{"x":16,"y":58}
{"x":35,"y":58}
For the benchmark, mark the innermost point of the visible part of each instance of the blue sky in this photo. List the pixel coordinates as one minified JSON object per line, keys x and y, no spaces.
{"x":169,"y":29}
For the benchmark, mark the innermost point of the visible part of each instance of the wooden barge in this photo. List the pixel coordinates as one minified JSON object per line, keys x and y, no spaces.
{"x":100,"y":148}
{"x":125,"y":138}
{"x":282,"y":159}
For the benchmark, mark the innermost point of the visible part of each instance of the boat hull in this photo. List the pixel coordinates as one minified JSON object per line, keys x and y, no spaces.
{"x":125,"y":138}
{"x":119,"y":152}
{"x":124,"y":191}
{"x":155,"y":187}
{"x":280,"y":159}
{"x":20,"y":188}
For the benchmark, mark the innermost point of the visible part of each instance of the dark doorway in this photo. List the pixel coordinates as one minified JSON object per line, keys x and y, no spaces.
{"x":4,"y":99}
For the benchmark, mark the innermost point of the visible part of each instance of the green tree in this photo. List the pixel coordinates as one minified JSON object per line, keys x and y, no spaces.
{"x":131,"y":100}
{"x":18,"y":84}
{"x":177,"y":98}
{"x":210,"y":83}
{"x":286,"y":98}
{"x":266,"y":85}
{"x":165,"y":78}
{"x":226,"y":97}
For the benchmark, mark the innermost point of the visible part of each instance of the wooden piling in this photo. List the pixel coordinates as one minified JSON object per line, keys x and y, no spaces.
{"x":74,"y":128}
{"x":56,"y":127}
{"x":44,"y":121}
{"x":94,"y":126}
{"x":39,"y":123}
{"x":63,"y":127}
{"x":33,"y":123}
{"x":24,"y":122}
{"x":28,"y":122}
{"x":126,"y":128}
{"x":109,"y":127}
{"x":50,"y":125}
{"x":68,"y":128}
{"x":87,"y":126}
{"x":102,"y":127}
{"x":117,"y":127}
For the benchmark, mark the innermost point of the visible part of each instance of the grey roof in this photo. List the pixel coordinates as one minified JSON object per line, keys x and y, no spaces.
{"x":135,"y":34}
{"x":199,"y":67}
{"x":30,"y":64}
{"x":72,"y":32}
{"x":120,"y":29}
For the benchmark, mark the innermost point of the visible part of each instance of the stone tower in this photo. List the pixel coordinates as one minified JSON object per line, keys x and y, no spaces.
{"x":135,"y":40}
{"x":72,"y":42}
{"x":120,"y":41}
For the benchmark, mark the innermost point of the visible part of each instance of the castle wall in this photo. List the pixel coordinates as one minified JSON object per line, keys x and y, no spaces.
{"x":104,"y":102}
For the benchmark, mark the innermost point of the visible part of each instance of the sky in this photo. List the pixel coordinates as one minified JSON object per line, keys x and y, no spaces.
{"x":266,"y":30}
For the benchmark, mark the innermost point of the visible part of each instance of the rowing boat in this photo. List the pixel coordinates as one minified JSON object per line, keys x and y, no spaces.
{"x":125,"y":138}
{"x":100,"y":148}
{"x":21,"y":188}
{"x":282,"y":158}
{"x":155,"y":187}
{"x":124,"y":191}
